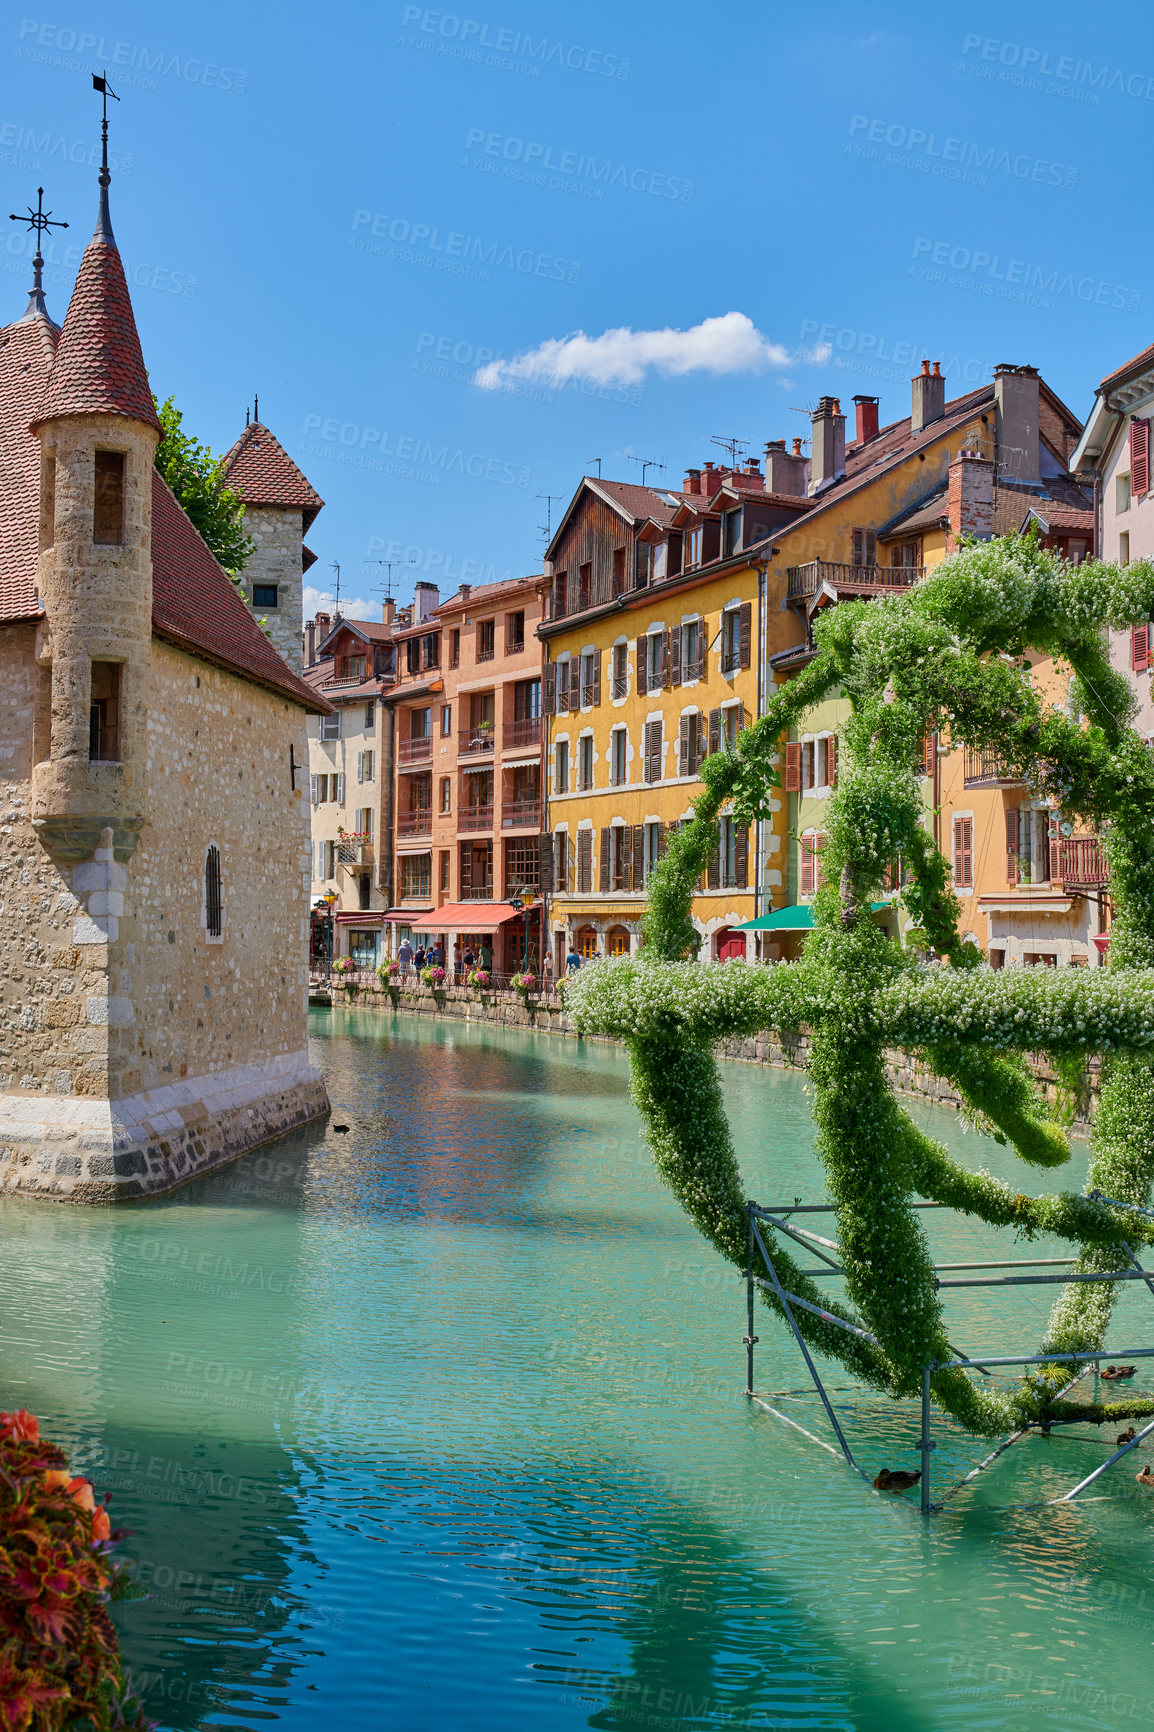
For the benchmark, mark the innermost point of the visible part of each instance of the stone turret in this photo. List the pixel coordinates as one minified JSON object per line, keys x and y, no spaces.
{"x":98,"y":434}
{"x":279,"y":506}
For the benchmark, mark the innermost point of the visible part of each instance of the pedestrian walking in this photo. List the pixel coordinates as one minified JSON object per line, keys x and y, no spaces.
{"x":572,"y":961}
{"x":405,"y":957}
{"x":420,"y":959}
{"x":485,"y":956}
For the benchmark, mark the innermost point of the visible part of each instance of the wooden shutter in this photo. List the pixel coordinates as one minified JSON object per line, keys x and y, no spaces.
{"x":741,"y":857}
{"x":666,"y":658}
{"x":831,"y":761}
{"x":865,"y":547}
{"x":699,"y":669}
{"x":642,"y":665}
{"x":1139,"y":457}
{"x":793,"y":767}
{"x":606,"y":841}
{"x":340,"y":787}
{"x":1012,"y":845}
{"x":652,"y":751}
{"x":314,"y":790}
{"x":597,"y":676}
{"x":715,"y":730}
{"x":561,"y":861}
{"x":713,"y":870}
{"x":699,"y":746}
{"x":549,"y":689}
{"x":637,"y":857}
{"x":746,"y":629}
{"x":683,"y":768}
{"x":929,"y":755}
{"x":675,"y":656}
{"x":963,"y":852}
{"x":625,"y":842}
{"x":1140,"y":648}
{"x":545,"y":864}
{"x":466,"y":866}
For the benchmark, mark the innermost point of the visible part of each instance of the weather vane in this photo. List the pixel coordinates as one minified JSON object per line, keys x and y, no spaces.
{"x":43,"y":222}
{"x":104,"y":226}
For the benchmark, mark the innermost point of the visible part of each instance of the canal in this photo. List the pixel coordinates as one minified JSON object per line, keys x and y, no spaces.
{"x":436,"y":1421}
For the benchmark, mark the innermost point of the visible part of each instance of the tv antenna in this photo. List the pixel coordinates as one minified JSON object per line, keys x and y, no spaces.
{"x":596,"y":460}
{"x":733,"y":445}
{"x":387,"y":590}
{"x":546,"y":528}
{"x":646,"y":463}
{"x":337,"y":594}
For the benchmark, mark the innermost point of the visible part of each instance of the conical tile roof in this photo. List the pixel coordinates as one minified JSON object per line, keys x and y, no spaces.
{"x":99,"y":368}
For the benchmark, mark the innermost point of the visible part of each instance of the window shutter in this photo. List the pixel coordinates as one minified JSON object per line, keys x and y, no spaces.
{"x":793,"y":767}
{"x":545,"y":864}
{"x":683,"y":768}
{"x":585,"y":860}
{"x":702,"y":647}
{"x":699,"y":746}
{"x":713,"y":871}
{"x":314,"y":790}
{"x":360,"y":767}
{"x":340,"y":788}
{"x":625,"y":841}
{"x":929,"y":754}
{"x":859,"y":546}
{"x":715,"y":730}
{"x":746,"y":628}
{"x":666,"y":658}
{"x":820,"y":841}
{"x":549,"y":689}
{"x":1140,"y":648}
{"x":675,"y":657}
{"x":741,"y":857}
{"x":805,"y":864}
{"x":1139,"y":457}
{"x":637,"y":856}
{"x":1012,"y":845}
{"x":561,"y":861}
{"x":596,"y":676}
{"x":642,"y":664}
{"x":831,"y":761}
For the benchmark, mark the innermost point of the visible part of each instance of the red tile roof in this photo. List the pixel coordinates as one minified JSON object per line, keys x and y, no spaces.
{"x":195,"y":605}
{"x":99,"y":367}
{"x":27,"y":349}
{"x":260,"y":469}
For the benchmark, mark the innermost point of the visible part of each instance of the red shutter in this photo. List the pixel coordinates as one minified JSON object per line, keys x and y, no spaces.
{"x":964,"y":853}
{"x":1140,"y":648}
{"x":1139,"y":458}
{"x":1012,"y":845}
{"x":746,"y":628}
{"x":806,"y":863}
{"x":793,"y":768}
{"x":642,"y":664}
{"x":831,"y":761}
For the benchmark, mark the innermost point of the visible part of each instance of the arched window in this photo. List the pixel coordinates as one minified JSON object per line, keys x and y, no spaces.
{"x":617,"y":941}
{"x":213,"y":913}
{"x":586,"y":941}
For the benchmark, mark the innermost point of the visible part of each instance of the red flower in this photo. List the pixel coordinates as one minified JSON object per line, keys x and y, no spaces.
{"x":20,"y":1426}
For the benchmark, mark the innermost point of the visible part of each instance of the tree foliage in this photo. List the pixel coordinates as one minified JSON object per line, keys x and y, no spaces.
{"x":947,"y":655}
{"x":197,"y":479}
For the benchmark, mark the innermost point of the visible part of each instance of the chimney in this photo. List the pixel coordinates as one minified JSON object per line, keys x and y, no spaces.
{"x":426,"y":600}
{"x":828,"y":463}
{"x":464,"y":591}
{"x":1016,"y":400}
{"x":753,"y":467}
{"x":710,"y":480}
{"x":323,"y":626}
{"x":692,"y":481}
{"x":867,"y":419}
{"x":971,"y":498}
{"x":928,"y":397}
{"x":785,"y":472}
{"x":310,"y":643}
{"x":388,"y":611}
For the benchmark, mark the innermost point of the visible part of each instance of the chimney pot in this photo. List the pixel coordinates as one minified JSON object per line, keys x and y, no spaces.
{"x":927,"y":397}
{"x":796,"y":447}
{"x":867,"y":418}
{"x":925,"y":366}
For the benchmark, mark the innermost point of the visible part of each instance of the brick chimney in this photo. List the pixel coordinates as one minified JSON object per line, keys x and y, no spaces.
{"x":928,"y":397}
{"x":324,"y":626}
{"x":867,"y":418}
{"x":828,"y":462}
{"x":388,"y":611}
{"x":310,"y":643}
{"x":1016,"y":400}
{"x":971,"y":498}
{"x":710,"y":479}
{"x":785,"y":471}
{"x":464,"y":591}
{"x":692,"y":481}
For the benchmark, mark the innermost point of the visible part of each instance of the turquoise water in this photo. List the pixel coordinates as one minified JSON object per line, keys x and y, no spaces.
{"x":438,"y":1423}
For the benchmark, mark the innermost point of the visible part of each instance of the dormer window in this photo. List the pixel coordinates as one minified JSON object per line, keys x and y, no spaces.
{"x":108,"y":501}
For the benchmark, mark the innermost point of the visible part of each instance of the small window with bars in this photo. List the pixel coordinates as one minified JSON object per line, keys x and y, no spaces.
{"x":213,"y":899}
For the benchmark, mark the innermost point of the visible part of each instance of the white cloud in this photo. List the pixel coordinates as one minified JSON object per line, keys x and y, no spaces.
{"x":352,"y":607}
{"x":730,"y":343}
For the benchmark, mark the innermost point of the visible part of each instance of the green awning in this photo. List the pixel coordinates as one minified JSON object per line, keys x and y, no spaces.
{"x":799,"y":918}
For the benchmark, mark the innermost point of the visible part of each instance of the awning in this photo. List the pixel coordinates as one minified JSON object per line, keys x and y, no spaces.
{"x":358,"y":917}
{"x":798,"y":918}
{"x":467,"y":917}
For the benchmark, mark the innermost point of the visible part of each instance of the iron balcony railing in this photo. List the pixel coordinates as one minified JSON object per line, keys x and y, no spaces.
{"x":1079,"y":861}
{"x":418,"y":823}
{"x":475,"y":818}
{"x":415,"y":751}
{"x":478,"y":892}
{"x":470,"y":740}
{"x":526,"y":731}
{"x":806,"y":580}
{"x":521,"y":815}
{"x":986,"y":770}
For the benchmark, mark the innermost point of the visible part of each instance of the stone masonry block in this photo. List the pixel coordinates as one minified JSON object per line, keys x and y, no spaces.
{"x":105,"y":902}
{"x":99,"y":875}
{"x":103,"y":931}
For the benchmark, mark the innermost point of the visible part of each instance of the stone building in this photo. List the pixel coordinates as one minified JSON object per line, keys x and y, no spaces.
{"x":279,"y":508}
{"x":155,"y":835}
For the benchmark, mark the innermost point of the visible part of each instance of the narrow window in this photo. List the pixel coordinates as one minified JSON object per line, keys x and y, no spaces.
{"x":108,"y":501}
{"x":213,"y":916}
{"x":104,"y":713}
{"x":455,"y":647}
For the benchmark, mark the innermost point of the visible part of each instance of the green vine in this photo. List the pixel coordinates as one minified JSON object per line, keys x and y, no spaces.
{"x":948,"y":655}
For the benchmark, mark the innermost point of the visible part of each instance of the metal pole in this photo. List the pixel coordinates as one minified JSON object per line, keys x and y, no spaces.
{"x":926,"y":1444}
{"x":750,"y":1337}
{"x":1069,"y":1496}
{"x":805,"y":1353}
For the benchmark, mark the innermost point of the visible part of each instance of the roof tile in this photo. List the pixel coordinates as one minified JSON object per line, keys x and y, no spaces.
{"x":260,"y":469}
{"x":99,"y":368}
{"x":27,"y":349}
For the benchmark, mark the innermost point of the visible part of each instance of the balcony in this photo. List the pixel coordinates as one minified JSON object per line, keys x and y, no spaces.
{"x":475,"y":818}
{"x":986,"y":770}
{"x":806,"y":580}
{"x":418,"y":823}
{"x":521,"y":815}
{"x":473,"y":740}
{"x":415,"y":751}
{"x":525,"y":732}
{"x":1078,"y":863}
{"x":477,"y":892}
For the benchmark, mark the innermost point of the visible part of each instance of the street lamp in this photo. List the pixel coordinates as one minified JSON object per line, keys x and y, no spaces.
{"x":524,"y":900}
{"x":330,"y":897}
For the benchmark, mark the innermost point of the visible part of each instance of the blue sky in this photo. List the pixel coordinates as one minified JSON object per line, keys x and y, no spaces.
{"x":353,"y":212}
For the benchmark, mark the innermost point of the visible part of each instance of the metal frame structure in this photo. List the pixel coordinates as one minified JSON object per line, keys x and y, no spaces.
{"x":820,"y":1248}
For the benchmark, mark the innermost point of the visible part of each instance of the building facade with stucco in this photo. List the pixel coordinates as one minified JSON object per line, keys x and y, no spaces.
{"x":154,"y":846}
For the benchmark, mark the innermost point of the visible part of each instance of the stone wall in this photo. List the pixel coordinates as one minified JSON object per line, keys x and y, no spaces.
{"x":277,"y":531}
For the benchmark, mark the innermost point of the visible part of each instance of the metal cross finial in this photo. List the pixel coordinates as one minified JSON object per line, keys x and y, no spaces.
{"x":43,"y":222}
{"x":104,"y":222}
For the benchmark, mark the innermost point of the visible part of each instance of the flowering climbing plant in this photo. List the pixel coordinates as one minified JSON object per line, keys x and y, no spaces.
{"x":948,"y":655}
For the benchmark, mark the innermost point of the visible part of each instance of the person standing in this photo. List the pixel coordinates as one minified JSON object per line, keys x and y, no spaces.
{"x":405,"y":957}
{"x":419,"y":959}
{"x":485,"y":956}
{"x":572,"y":961}
{"x":457,"y":960}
